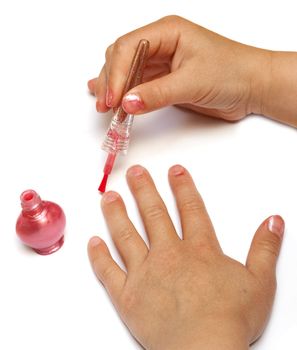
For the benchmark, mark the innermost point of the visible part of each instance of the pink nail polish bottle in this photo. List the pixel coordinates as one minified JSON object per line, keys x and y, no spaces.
{"x":41,"y":223}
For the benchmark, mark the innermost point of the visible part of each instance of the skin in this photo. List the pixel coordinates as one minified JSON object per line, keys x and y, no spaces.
{"x":184,"y":293}
{"x":193,"y":67}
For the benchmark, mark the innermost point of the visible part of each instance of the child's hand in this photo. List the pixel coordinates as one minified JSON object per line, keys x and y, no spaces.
{"x":184,"y":293}
{"x":188,"y":65}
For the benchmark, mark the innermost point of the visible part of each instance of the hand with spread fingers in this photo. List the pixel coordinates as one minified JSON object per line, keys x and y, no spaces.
{"x":184,"y":293}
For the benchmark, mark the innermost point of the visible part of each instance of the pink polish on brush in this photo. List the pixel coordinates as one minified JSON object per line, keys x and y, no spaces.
{"x":118,"y":134}
{"x":41,"y":224}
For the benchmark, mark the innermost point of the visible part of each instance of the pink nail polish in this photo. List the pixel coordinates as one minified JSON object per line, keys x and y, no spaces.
{"x":276,"y":225}
{"x":136,"y":170}
{"x":95,"y":241}
{"x":109,"y":98}
{"x":109,"y":197}
{"x":41,"y":224}
{"x":177,"y":170}
{"x":132,"y":103}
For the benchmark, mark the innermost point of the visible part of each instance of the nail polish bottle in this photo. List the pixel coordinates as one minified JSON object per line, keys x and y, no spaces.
{"x":41,"y":223}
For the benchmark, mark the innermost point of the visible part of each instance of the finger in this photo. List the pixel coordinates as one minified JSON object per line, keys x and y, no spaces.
{"x":100,"y":106}
{"x":163,"y":36}
{"x":91,"y":85}
{"x":108,"y":58}
{"x":157,"y":222}
{"x":116,"y":76}
{"x":109,"y":95}
{"x":168,"y":90}
{"x":196,"y":224}
{"x":100,"y":91}
{"x":127,"y":240}
{"x":265,"y":248}
{"x":105,"y":268}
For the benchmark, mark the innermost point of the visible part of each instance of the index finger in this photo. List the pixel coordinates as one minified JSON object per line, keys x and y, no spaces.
{"x":163,"y":37}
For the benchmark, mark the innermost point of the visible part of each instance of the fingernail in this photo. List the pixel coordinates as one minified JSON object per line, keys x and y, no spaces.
{"x":108,"y":98}
{"x":91,"y":85}
{"x":136,"y":170}
{"x":109,"y":197}
{"x":94,"y":241}
{"x":276,"y":225}
{"x":177,"y":170}
{"x":132,"y":103}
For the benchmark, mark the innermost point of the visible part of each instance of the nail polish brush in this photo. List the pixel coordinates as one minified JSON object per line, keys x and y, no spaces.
{"x":118,"y":134}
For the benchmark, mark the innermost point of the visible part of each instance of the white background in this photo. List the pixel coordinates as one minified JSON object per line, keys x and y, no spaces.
{"x":50,"y":139}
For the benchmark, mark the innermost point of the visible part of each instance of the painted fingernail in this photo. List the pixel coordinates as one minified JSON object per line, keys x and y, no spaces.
{"x":109,"y":197}
{"x":132,"y":103}
{"x":276,"y":225}
{"x":136,"y":170}
{"x":177,"y":170}
{"x":94,"y":242}
{"x":109,"y":98}
{"x":91,"y":85}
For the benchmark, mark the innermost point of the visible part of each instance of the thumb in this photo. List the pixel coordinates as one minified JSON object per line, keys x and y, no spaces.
{"x":165,"y":91}
{"x":265,"y":248}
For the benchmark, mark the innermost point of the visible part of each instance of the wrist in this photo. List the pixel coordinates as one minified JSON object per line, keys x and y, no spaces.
{"x":213,"y":335}
{"x":260,"y":80}
{"x":276,"y":87}
{"x":281,"y":99}
{"x":221,"y":337}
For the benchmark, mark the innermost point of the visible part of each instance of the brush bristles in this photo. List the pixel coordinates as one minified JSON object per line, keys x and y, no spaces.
{"x":102,"y":186}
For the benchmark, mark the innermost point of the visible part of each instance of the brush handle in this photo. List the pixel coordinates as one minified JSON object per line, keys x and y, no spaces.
{"x":136,"y":72}
{"x":118,"y":134}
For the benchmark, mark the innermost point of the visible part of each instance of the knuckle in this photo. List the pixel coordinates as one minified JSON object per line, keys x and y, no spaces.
{"x":154,"y":212}
{"x":107,"y":273}
{"x":108,"y":52}
{"x":124,"y":234}
{"x":192,"y":205}
{"x":270,"y":245}
{"x":119,"y":45}
{"x":171,"y":19}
